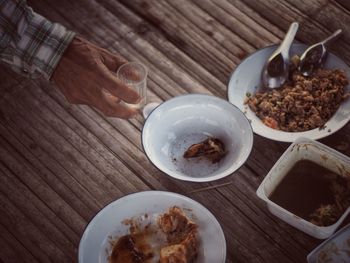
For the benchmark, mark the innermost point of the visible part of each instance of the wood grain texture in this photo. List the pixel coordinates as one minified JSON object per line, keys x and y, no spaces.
{"x":60,"y":163}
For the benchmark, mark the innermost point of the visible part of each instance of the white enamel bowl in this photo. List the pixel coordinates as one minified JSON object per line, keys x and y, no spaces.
{"x":185,"y":120}
{"x":246,"y":78}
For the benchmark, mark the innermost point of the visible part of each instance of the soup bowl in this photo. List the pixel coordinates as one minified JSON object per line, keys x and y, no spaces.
{"x":185,"y":120}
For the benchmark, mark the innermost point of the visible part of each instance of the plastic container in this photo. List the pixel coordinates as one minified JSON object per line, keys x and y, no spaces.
{"x":334,"y":249}
{"x":303,"y":149}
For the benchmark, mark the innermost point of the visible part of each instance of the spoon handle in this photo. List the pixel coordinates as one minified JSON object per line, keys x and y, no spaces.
{"x":331,"y":37}
{"x":288,"y":39}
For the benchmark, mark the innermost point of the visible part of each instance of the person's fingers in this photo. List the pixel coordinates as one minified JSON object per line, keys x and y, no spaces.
{"x":111,"y":83}
{"x":112,"y":61}
{"x":110,"y":106}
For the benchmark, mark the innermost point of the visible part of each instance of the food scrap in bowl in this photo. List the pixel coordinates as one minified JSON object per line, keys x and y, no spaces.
{"x":303,"y":103}
{"x":174,"y":233}
{"x":212,"y":148}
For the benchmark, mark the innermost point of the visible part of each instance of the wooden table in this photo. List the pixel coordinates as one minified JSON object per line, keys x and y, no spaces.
{"x":61,"y":163}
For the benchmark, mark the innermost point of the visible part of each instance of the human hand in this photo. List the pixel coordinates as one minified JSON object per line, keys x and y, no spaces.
{"x":85,"y":71}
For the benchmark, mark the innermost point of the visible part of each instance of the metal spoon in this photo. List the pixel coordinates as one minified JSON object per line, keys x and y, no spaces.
{"x":315,"y":55}
{"x":276,"y":69}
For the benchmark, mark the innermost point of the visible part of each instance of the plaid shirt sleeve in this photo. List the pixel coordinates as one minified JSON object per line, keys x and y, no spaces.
{"x":29,"y":43}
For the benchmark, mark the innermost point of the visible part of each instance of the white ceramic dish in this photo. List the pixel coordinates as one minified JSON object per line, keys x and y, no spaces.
{"x":335,"y":249}
{"x":94,"y":244}
{"x":185,"y":120}
{"x":305,"y":149}
{"x":246,"y":78}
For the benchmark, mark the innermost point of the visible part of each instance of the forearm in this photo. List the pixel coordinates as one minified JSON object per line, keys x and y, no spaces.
{"x":29,"y":43}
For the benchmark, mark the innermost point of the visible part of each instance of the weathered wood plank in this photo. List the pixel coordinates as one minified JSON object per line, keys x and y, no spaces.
{"x":226,"y":24}
{"x":117,"y":34}
{"x":56,"y":177}
{"x":308,"y":8}
{"x":10,"y":247}
{"x":277,"y":154}
{"x":107,"y":158}
{"x":95,"y":159}
{"x":95,"y":186}
{"x":130,"y":35}
{"x":81,"y":158}
{"x":333,"y":16}
{"x":120,"y":140}
{"x":40,"y":215}
{"x":60,"y":212}
{"x":213,"y":201}
{"x":279,"y":13}
{"x":161,"y":85}
{"x":30,"y":235}
{"x":33,"y":146}
{"x":234,"y":43}
{"x":312,"y":28}
{"x":167,"y":63}
{"x":255,"y":199}
{"x":241,"y":8}
{"x":186,"y":36}
{"x":344,"y":3}
{"x":242,"y":209}
{"x":134,"y":25}
{"x":9,"y":85}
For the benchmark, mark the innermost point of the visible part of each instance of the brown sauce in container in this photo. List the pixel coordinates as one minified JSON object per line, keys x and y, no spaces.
{"x":304,"y":189}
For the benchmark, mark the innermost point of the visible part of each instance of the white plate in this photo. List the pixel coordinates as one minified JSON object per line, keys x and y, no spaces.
{"x":246,"y":78}
{"x":108,"y":222}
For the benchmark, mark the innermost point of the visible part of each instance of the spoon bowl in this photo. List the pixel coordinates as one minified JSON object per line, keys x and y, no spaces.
{"x":276,"y":69}
{"x":315,"y":56}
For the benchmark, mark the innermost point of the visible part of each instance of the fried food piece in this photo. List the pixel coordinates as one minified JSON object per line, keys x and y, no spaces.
{"x":176,"y":225}
{"x":185,"y":252}
{"x":181,"y":236}
{"x":211,"y":148}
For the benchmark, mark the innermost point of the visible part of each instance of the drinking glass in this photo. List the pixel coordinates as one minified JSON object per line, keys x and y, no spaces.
{"x":134,"y":75}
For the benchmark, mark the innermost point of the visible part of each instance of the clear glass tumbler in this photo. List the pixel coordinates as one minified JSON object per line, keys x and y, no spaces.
{"x":134,"y":74}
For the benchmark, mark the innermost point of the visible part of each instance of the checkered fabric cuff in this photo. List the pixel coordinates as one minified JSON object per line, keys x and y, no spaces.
{"x":30,"y":43}
{"x":43,"y":44}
